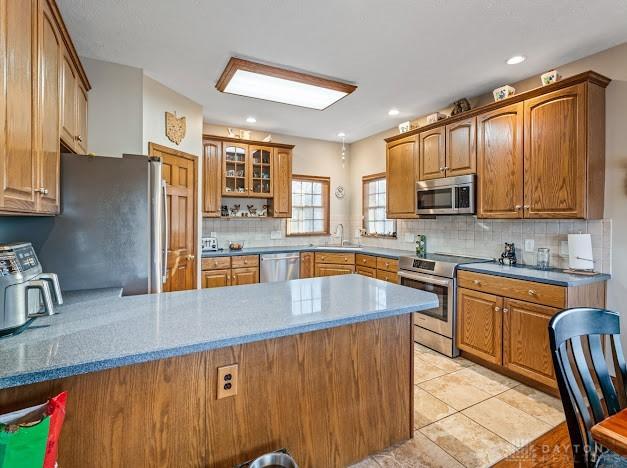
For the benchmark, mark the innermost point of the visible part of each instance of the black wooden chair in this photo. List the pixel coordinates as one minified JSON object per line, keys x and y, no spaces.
{"x":589,"y":393}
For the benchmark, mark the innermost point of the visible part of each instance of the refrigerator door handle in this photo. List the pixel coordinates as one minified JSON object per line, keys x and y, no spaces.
{"x":166,"y":233}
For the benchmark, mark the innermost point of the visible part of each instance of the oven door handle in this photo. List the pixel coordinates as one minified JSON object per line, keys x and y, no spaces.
{"x":425,"y":278}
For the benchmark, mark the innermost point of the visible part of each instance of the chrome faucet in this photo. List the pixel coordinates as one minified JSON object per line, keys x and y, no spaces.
{"x":341,"y":234}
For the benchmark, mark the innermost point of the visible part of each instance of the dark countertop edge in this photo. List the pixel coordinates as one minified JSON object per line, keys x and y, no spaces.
{"x":521,"y":276}
{"x":373,"y":251}
{"x":111,"y":363}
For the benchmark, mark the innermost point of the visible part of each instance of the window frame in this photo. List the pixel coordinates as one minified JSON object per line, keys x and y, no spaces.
{"x":365,"y":180}
{"x":326,"y":187}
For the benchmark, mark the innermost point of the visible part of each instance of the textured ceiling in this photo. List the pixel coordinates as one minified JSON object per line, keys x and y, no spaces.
{"x":415,"y":55}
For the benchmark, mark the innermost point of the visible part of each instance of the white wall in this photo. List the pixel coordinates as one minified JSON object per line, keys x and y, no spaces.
{"x":159,"y":99}
{"x":310,"y":157}
{"x":115,"y":108}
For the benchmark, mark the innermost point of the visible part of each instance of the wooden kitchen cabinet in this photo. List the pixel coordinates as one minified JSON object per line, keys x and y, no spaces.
{"x":401,"y":173}
{"x":73,"y":105}
{"x":216,"y":278}
{"x":235,"y":167}
{"x":388,"y":276}
{"x":261,"y":171}
{"x":555,"y":154}
{"x":366,"y":271}
{"x":212,"y":178}
{"x":281,"y":204}
{"x":461,"y":148}
{"x":432,"y":153}
{"x":307,"y":269}
{"x":81,"y":119}
{"x":479,"y":324}
{"x":34,"y":46}
{"x":325,"y":269}
{"x":241,"y":276}
{"x":526,"y":348}
{"x":500,"y":163}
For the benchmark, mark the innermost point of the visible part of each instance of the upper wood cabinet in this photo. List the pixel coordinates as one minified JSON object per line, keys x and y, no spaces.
{"x":34,"y":47}
{"x":247,"y":169}
{"x":431,"y":154}
{"x":555,"y":154}
{"x":401,"y":172}
{"x":73,"y":106}
{"x":461,"y":150}
{"x":281,"y":204}
{"x":500,"y":163}
{"x":212,"y":177}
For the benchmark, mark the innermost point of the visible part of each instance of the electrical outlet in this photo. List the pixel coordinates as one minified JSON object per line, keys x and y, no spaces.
{"x":275,"y":235}
{"x":213,"y":234}
{"x":227,"y":381}
{"x":529,"y":243}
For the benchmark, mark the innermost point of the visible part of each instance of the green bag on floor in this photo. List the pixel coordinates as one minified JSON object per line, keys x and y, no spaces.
{"x":24,"y":446}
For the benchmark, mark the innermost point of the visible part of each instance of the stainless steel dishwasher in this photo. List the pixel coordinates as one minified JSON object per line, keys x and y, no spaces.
{"x":280,"y":267}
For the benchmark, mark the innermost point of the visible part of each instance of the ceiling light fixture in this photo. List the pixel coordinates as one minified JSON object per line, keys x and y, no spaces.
{"x":393,"y":112}
{"x":341,"y":135}
{"x":251,"y":119}
{"x":256,"y":80}
{"x":516,"y":59}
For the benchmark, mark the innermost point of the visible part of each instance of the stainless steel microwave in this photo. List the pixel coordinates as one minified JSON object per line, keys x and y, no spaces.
{"x":450,"y":195}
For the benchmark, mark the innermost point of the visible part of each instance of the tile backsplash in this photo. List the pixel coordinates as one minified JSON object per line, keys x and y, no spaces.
{"x":482,"y":237}
{"x":465,"y":235}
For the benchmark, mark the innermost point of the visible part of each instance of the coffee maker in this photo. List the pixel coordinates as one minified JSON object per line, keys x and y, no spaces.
{"x":25,"y":292}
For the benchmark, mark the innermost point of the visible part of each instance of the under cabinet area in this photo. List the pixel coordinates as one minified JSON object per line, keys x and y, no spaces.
{"x":230,"y":271}
{"x":537,"y":155}
{"x":504,"y":322}
{"x":43,"y":90}
{"x":246,"y":169}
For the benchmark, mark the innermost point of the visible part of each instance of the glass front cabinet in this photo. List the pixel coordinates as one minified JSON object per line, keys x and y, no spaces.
{"x":247,"y":171}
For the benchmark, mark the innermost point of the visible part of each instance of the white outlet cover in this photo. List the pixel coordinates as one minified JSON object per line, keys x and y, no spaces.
{"x":213,"y":234}
{"x":529,"y":244}
{"x":276,"y":234}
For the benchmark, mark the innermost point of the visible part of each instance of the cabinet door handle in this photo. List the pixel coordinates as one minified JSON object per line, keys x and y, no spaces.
{"x":79,"y":138}
{"x":506,"y":310}
{"x":42,"y":190}
{"x":497,"y":308}
{"x":532,"y":292}
{"x":518,"y":207}
{"x":477,"y":282}
{"x":527,"y":207}
{"x":442,"y":169}
{"x":446,"y":168}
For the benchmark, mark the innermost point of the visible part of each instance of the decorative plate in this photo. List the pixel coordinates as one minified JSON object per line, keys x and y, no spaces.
{"x":339,"y":192}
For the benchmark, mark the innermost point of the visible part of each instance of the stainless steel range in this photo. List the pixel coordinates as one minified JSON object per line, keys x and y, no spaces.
{"x":435,"y":273}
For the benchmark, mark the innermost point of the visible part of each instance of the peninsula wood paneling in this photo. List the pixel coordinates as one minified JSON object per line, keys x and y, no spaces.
{"x":330,"y":397}
{"x":401,"y":173}
{"x":500,"y":163}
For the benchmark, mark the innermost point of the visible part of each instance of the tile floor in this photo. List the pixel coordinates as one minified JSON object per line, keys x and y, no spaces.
{"x":467,"y":416}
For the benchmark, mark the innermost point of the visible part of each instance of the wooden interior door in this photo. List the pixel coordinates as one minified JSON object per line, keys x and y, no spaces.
{"x":179,"y":174}
{"x":461,"y":148}
{"x":401,"y":173}
{"x":212,"y":178}
{"x":432,"y":153}
{"x":479,"y":324}
{"x":50,"y":57}
{"x":526,"y":348}
{"x":555,"y":154}
{"x":500,"y":163}
{"x":18,"y":86}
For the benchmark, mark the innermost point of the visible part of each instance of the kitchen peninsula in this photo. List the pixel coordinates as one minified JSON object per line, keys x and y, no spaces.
{"x":324,"y":370}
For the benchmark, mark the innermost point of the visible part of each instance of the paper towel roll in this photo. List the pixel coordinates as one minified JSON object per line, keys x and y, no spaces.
{"x":580,"y":252}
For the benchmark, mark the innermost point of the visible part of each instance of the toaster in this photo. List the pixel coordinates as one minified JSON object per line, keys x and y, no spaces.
{"x":209,"y":244}
{"x":25,"y":292}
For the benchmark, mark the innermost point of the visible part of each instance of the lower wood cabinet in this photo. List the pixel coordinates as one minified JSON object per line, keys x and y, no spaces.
{"x":328,"y":269}
{"x":382,"y":268}
{"x":479,"y":324}
{"x":230,"y":271}
{"x":307,"y":269}
{"x":366,"y":271}
{"x":512,"y":332}
{"x":387,"y":276}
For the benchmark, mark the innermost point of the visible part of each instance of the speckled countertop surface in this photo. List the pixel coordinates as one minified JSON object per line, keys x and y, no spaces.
{"x":366,"y":250}
{"x":106,"y":331}
{"x":530,"y":273}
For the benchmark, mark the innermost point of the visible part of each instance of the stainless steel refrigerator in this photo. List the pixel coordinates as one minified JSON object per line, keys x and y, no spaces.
{"x":112,"y":230}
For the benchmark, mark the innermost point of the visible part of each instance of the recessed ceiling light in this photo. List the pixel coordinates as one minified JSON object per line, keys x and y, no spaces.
{"x":341,"y":134}
{"x":256,"y":80}
{"x":516,"y":59}
{"x":251,"y":119}
{"x":393,"y":112}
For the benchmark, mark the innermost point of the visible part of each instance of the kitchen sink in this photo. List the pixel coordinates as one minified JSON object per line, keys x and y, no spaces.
{"x":338,"y":247}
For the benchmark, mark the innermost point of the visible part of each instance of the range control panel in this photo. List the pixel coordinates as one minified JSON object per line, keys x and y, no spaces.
{"x":423,"y":264}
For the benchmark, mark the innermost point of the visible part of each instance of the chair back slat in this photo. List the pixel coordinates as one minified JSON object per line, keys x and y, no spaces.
{"x":599,"y":363}
{"x":581,"y":366}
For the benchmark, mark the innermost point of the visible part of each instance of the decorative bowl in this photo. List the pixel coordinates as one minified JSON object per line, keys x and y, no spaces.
{"x":503,"y":92}
{"x":550,"y":77}
{"x":433,"y":118}
{"x":236,"y":245}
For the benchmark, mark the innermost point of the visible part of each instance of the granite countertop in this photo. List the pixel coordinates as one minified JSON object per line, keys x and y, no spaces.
{"x":105,"y":331}
{"x":530,"y":273}
{"x":366,"y":250}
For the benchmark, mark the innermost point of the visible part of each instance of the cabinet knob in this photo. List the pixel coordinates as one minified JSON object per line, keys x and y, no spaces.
{"x":442,"y":169}
{"x":363,"y":260}
{"x":527,"y":207}
{"x":477,"y":282}
{"x":497,"y":308}
{"x":345,"y":259}
{"x":79,"y":138}
{"x":190,"y":257}
{"x":506,"y":310}
{"x":42,"y":190}
{"x":518,"y":207}
{"x":446,"y":168}
{"x":532,"y":292}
